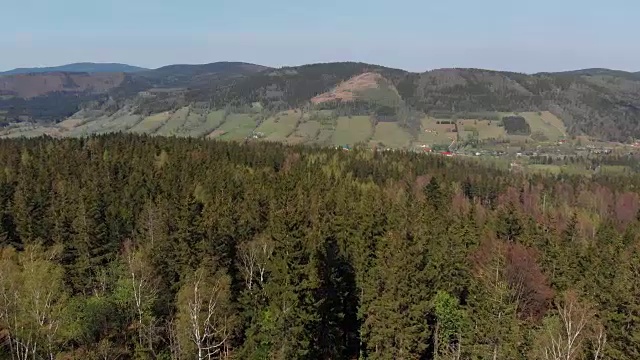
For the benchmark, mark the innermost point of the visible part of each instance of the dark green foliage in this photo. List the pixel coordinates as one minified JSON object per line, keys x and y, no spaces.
{"x":516,"y":125}
{"x":385,"y":113}
{"x":52,"y":107}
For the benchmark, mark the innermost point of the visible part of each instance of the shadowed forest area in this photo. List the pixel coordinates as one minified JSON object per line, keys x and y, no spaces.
{"x":138,"y":247}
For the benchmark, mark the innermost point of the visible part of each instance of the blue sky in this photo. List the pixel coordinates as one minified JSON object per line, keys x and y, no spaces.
{"x":417,"y":35}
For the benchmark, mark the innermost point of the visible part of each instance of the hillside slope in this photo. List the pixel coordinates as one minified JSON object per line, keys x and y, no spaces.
{"x":597,"y":102}
{"x":52,"y":97}
{"x":32,"y":85}
{"x":603,"y":105}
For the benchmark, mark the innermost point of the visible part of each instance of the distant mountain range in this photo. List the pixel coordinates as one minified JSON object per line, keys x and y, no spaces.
{"x":78,"y":67}
{"x":601,"y":103}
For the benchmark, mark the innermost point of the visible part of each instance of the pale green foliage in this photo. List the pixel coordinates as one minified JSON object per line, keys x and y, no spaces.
{"x":450,"y":322}
{"x":32,"y":300}
{"x":25,"y":158}
{"x":162,"y":159}
{"x":205,"y":319}
{"x":567,"y":334}
{"x":136,"y":291}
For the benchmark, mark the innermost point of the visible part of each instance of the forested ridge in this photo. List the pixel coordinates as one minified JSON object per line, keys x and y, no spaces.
{"x":137,"y":247}
{"x":601,"y":103}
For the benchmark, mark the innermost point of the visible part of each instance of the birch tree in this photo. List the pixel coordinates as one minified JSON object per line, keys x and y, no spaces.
{"x":32,"y":300}
{"x":9,"y":287}
{"x":566,"y":333}
{"x":141,"y":283}
{"x":254,"y":257}
{"x":205,"y":320}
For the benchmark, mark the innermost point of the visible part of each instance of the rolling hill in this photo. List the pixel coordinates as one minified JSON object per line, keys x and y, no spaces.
{"x":77,"y":67}
{"x":597,"y":102}
{"x":33,"y":85}
{"x":198,"y":75}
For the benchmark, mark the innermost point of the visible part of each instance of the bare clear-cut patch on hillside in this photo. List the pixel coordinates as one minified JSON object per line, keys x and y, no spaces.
{"x":349,"y":90}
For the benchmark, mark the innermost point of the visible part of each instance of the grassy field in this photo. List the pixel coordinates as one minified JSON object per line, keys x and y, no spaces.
{"x":350,"y":131}
{"x":91,"y":126}
{"x":236,"y":127}
{"x":279,"y":127}
{"x":390,"y":134}
{"x":305,"y":132}
{"x":27,"y":131}
{"x":544,"y":123}
{"x":325,"y":137}
{"x":545,"y":127}
{"x":486,"y":129}
{"x":120,"y":123}
{"x":151,"y":124}
{"x":433,"y":133}
{"x":293,"y":127}
{"x":69,"y":124}
{"x":208,"y":123}
{"x":176,"y":121}
{"x":519,"y":139}
{"x":555,"y":122}
{"x":382,"y":95}
{"x":194,"y":121}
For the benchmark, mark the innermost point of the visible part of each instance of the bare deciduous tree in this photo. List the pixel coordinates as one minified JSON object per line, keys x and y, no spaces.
{"x":255,"y":256}
{"x":600,"y":340}
{"x":205,"y":315}
{"x":174,"y":341}
{"x":566,"y":333}
{"x":144,"y":286}
{"x":9,"y":281}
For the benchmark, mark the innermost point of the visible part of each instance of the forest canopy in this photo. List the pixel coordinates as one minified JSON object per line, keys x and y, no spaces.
{"x":137,"y":247}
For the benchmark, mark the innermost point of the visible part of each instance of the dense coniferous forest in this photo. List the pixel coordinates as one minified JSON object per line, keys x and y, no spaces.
{"x":135,"y":247}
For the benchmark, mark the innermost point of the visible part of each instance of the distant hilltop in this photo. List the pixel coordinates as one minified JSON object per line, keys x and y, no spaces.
{"x":85,"y":67}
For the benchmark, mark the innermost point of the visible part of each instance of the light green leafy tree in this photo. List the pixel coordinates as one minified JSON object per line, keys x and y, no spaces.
{"x":137,"y":291}
{"x":32,"y":300}
{"x":450,"y":320}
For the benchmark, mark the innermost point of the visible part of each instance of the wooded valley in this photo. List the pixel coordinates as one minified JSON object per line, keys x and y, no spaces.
{"x":139,"y":247}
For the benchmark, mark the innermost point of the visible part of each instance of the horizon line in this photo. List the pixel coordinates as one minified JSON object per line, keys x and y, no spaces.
{"x":315,"y":63}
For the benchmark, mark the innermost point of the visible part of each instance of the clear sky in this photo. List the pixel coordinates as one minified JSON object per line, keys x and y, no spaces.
{"x":418,"y":35}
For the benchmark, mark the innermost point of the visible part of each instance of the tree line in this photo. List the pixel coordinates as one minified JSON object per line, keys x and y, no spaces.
{"x":138,"y":247}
